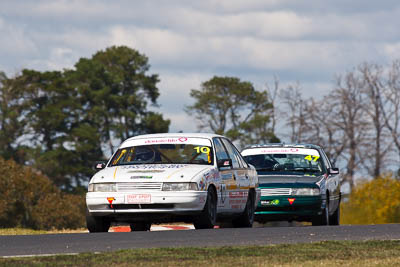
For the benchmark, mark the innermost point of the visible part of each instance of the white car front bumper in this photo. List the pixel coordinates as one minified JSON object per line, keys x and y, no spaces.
{"x":174,"y":202}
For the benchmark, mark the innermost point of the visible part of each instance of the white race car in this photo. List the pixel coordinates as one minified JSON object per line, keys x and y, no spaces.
{"x":158,"y":178}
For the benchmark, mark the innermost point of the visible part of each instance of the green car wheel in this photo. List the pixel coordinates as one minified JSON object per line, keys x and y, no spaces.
{"x":322,"y":219}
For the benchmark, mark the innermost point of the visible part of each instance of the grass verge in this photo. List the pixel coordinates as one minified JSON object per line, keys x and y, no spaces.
{"x":25,"y":231}
{"x":329,"y":253}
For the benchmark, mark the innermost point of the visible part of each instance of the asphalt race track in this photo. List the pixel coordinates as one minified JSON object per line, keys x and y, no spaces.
{"x":75,"y":243}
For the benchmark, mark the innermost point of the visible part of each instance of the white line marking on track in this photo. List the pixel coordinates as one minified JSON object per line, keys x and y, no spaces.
{"x":40,"y":255}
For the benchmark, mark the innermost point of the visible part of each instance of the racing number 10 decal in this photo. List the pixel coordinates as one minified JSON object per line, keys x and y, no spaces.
{"x":204,"y":150}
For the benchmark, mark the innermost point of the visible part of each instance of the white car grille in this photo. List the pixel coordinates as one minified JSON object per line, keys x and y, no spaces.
{"x":276,"y":192}
{"x":127,"y":187}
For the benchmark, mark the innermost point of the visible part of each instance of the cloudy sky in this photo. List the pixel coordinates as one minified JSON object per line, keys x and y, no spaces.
{"x":188,"y":42}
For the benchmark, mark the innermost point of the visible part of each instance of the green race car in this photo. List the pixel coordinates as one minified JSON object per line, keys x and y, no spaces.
{"x":297,"y":182}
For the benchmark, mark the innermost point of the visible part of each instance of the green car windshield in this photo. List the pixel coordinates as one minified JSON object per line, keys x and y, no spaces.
{"x":163,"y":154}
{"x":286,"y":164}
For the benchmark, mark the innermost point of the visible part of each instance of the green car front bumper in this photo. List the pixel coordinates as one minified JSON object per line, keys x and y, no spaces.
{"x":289,"y":208}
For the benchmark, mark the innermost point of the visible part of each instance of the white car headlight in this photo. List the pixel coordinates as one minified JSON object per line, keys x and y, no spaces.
{"x":305,"y":191}
{"x":179,"y":186}
{"x":104,"y":187}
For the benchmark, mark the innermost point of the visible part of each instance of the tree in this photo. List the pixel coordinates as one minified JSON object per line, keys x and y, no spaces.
{"x":69,"y":119}
{"x":231,"y":107}
{"x":51,"y":113}
{"x":308,"y":120}
{"x":350,"y":117}
{"x":373,"y":202}
{"x":294,"y":113}
{"x":353,"y":122}
{"x":12,"y":125}
{"x":321,"y":129}
{"x":337,"y":122}
{"x":390,"y":104}
{"x":30,"y":199}
{"x":273,"y":95}
{"x":377,"y":148}
{"x":114,"y":92}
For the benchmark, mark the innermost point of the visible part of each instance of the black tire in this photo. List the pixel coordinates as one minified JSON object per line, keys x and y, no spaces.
{"x":335,"y":218}
{"x":97,"y":224}
{"x":323,"y":219}
{"x":208,"y":217}
{"x":140,"y":226}
{"x":246,"y":219}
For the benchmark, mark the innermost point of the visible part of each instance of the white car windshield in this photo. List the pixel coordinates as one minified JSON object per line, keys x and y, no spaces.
{"x":164,"y":154}
{"x":286,"y":162}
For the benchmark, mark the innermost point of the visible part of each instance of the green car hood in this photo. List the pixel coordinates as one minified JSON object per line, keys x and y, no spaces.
{"x":294,"y":181}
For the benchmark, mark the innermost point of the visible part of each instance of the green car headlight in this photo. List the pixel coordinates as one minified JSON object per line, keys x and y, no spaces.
{"x":305,"y":191}
{"x":179,"y":186}
{"x":102,"y":187}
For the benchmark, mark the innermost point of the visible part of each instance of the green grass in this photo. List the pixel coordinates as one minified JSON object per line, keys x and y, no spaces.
{"x":330,"y":253}
{"x":25,"y":231}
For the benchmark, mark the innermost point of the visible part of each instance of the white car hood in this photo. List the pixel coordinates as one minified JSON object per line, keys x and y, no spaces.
{"x":150,"y":173}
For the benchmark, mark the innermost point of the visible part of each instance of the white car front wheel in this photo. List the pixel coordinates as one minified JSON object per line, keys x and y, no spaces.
{"x":208,"y":217}
{"x":97,"y":224}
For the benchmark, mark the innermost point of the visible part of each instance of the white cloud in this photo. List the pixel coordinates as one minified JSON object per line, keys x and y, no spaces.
{"x":175,"y":95}
{"x":57,"y":9}
{"x":188,"y":42}
{"x":64,"y":8}
{"x":15,"y":47}
{"x":235,"y":6}
{"x":178,"y":85}
{"x":84,"y":40}
{"x":278,"y":24}
{"x":166,"y":47}
{"x":158,"y":43}
{"x":181,"y":122}
{"x":392,"y":50}
{"x":317,"y":89}
{"x":60,"y":58}
{"x":15,"y":39}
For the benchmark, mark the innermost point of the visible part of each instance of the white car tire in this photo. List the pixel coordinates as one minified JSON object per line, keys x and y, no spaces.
{"x":246,"y":219}
{"x":97,"y":224}
{"x":208,"y":217}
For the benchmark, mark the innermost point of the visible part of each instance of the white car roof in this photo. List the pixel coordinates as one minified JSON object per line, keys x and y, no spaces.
{"x":162,"y":135}
{"x":170,"y":135}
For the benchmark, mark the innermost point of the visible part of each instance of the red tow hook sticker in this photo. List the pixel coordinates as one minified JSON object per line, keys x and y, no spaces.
{"x":110,"y":200}
{"x":291,"y":200}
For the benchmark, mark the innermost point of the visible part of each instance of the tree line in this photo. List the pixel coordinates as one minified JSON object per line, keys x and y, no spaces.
{"x":55,"y":124}
{"x":61,"y":122}
{"x":357,"y":121}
